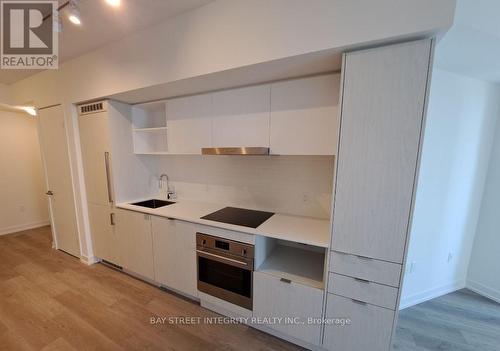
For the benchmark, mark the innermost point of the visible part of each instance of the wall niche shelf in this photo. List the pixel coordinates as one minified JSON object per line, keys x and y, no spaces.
{"x":302,"y":264}
{"x":149,"y":128}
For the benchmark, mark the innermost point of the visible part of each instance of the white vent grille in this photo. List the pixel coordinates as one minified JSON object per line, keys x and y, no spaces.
{"x":91,"y":108}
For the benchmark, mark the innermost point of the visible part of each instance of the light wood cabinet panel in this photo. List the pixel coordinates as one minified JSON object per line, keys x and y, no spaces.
{"x":370,"y":327}
{"x":106,"y":242}
{"x":175,"y":254}
{"x":373,"y":293}
{"x":382,"y":115}
{"x":189,"y":124}
{"x":241,"y":117}
{"x":94,"y":139}
{"x":274,"y":298}
{"x":134,"y":232}
{"x":305,"y":116}
{"x":365,"y":268}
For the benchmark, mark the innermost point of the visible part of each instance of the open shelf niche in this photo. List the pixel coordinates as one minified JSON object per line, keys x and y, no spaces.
{"x":300,"y":263}
{"x":150,"y":128}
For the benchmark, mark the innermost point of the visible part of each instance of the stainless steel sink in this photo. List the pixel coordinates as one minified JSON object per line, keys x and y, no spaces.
{"x":153,"y":203}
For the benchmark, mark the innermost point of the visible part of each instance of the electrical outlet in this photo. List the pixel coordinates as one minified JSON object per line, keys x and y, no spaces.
{"x":450,"y":257}
{"x":22,"y":208}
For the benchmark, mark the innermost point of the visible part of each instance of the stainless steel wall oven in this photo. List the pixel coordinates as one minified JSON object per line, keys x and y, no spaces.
{"x":225,"y":269}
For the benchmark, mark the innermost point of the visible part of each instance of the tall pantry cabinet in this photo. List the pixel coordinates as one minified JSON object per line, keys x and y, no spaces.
{"x":382,"y":117}
{"x":112,"y":174}
{"x":93,"y":121}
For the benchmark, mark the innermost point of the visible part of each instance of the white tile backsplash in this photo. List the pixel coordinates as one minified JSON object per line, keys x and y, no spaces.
{"x":298,"y":185}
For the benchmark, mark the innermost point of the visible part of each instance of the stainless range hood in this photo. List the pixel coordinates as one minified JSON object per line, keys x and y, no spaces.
{"x":248,"y":151}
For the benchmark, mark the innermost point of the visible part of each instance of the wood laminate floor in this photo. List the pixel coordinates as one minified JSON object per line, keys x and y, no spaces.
{"x":51,"y":301}
{"x":460,"y":321}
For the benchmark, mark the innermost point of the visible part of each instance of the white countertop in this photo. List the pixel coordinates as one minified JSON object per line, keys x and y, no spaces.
{"x":304,"y":230}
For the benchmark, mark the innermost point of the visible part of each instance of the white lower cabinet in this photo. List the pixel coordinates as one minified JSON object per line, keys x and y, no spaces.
{"x":370,"y":327}
{"x":134,"y":231}
{"x":363,"y":290}
{"x":105,"y":239}
{"x":175,"y":254}
{"x":275,"y":298}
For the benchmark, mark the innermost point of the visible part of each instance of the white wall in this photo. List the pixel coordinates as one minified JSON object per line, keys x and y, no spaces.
{"x":22,"y":186}
{"x":298,"y":185}
{"x":222,"y":35}
{"x":457,"y":144}
{"x":4,"y":94}
{"x":484,"y":268}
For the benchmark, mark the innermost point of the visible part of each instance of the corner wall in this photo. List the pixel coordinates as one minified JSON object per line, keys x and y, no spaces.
{"x":458,"y":139}
{"x":484,"y":268}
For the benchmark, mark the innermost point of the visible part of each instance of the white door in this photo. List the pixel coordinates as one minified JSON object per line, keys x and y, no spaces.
{"x":59,"y":183}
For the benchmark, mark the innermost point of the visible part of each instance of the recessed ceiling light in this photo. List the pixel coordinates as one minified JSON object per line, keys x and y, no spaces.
{"x":114,"y":3}
{"x":74,"y":19}
{"x":29,"y":109}
{"x":74,"y":12}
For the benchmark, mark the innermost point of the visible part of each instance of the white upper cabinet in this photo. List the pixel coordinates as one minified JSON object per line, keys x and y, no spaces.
{"x":305,"y":116}
{"x":293,"y":117}
{"x":189,"y":124}
{"x":241,"y":117}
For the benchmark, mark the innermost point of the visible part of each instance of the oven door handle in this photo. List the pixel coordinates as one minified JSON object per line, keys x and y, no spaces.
{"x":222,"y":257}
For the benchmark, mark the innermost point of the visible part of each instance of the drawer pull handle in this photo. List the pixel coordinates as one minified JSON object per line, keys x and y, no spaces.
{"x":284,"y":280}
{"x":365,"y":258}
{"x":362,"y":280}
{"x":358,"y":302}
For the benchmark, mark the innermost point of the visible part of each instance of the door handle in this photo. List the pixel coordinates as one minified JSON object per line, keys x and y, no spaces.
{"x":112,"y":218}
{"x":49,"y":193}
{"x":108,"y":176}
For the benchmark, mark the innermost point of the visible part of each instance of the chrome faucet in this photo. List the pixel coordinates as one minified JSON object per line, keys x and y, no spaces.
{"x":170,"y":193}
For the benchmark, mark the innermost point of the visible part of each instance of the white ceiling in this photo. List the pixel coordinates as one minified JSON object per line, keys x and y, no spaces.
{"x":102,"y":24}
{"x":472,"y":46}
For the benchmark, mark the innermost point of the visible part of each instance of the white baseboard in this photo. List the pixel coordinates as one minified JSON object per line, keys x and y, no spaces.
{"x":484,"y":290}
{"x":21,"y":227}
{"x":430,"y":294}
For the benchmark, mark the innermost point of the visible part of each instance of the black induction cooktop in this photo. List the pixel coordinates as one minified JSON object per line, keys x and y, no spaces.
{"x":239,"y":216}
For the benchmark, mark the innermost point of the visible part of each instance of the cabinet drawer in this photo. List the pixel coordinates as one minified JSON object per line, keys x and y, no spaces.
{"x":274,"y":298}
{"x":373,"y":293}
{"x":370,"y":326}
{"x":365,"y":268}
